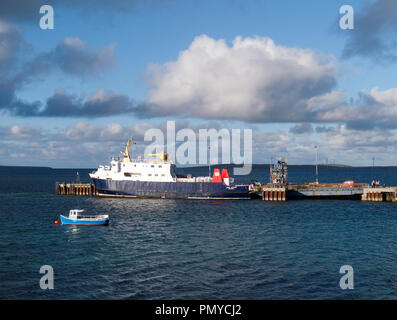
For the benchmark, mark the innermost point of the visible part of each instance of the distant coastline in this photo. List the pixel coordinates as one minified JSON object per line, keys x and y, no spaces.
{"x":212,"y":165}
{"x":27,"y":167}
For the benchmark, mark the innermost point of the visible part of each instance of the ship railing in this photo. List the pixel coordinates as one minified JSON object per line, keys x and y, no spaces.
{"x":149,"y":161}
{"x":90,"y":217}
{"x":139,"y":161}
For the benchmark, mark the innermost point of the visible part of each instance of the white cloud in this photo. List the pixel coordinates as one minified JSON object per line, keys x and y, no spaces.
{"x":112,"y":132}
{"x":252,"y":80}
{"x":18,"y":132}
{"x":376,"y":109}
{"x":93,"y":144}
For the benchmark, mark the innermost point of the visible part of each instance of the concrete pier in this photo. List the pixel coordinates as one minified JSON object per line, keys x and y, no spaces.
{"x":379,"y":194}
{"x":328,"y":191}
{"x":273,"y":194}
{"x":76,"y":189}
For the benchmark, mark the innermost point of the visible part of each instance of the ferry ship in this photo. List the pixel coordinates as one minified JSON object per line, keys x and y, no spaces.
{"x":158,"y":178}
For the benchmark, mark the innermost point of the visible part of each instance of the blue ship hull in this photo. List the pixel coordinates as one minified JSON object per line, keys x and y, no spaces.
{"x":182,"y":190}
{"x":65,"y":220}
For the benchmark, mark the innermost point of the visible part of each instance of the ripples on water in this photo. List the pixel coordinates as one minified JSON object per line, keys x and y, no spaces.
{"x":192,"y":249}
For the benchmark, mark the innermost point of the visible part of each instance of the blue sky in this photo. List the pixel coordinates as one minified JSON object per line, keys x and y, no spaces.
{"x":141,"y":33}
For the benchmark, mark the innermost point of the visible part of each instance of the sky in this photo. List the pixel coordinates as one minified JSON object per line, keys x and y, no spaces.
{"x":72,"y":95}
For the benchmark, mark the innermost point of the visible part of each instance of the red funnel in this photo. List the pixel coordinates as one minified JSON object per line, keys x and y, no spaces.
{"x":217,"y":178}
{"x":225,"y":174}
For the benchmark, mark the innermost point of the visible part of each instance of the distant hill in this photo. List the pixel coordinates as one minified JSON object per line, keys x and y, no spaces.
{"x":25,"y":167}
{"x":206,"y":166}
{"x":267,"y":166}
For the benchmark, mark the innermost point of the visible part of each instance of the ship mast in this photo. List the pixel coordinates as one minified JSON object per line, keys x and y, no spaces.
{"x":126,"y":153}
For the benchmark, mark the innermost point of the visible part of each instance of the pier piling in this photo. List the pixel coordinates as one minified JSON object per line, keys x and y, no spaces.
{"x":379,"y":194}
{"x":80,"y":189}
{"x":273,"y":194}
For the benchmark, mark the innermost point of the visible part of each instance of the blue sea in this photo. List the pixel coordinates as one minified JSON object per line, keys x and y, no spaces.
{"x":196,"y":249}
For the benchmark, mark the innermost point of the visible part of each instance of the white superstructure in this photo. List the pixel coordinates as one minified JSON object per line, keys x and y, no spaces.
{"x":158,"y":169}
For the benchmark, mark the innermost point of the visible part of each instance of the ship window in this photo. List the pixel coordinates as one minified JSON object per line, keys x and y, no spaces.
{"x":160,"y":166}
{"x":156,"y":175}
{"x":150,"y":174}
{"x":152,"y":166}
{"x":126,"y":174}
{"x":163,"y":175}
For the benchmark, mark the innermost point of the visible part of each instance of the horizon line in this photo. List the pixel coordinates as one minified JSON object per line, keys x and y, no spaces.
{"x":212,"y":165}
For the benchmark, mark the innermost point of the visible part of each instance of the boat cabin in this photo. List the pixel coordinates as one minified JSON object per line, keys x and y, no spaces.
{"x":74,"y":214}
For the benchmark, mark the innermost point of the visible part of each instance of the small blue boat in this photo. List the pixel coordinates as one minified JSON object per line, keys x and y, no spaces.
{"x":76,"y":217}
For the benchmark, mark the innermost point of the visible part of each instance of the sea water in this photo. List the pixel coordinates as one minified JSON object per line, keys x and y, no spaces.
{"x":196,"y":249}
